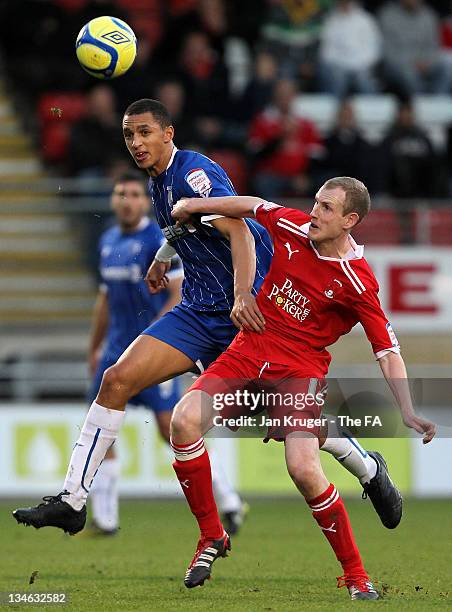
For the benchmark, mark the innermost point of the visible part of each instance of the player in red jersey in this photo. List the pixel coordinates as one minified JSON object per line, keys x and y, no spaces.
{"x":318,"y":287}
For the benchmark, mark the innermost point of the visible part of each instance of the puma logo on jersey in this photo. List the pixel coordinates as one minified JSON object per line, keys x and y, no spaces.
{"x":289,"y":250}
{"x":329,"y":528}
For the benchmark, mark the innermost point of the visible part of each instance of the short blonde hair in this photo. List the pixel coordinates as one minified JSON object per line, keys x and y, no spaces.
{"x":357,"y":198}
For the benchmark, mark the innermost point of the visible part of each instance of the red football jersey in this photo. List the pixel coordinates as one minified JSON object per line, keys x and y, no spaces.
{"x":309,"y":301}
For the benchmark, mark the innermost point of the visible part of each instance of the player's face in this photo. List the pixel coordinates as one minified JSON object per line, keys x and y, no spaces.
{"x":129,"y":203}
{"x":149,"y":144}
{"x":328,"y":221}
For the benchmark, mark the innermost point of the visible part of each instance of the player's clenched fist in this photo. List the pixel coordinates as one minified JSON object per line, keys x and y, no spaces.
{"x":183,"y":209}
{"x":156,"y":277}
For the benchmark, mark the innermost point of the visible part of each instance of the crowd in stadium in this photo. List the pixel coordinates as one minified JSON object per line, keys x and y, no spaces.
{"x":229,"y":78}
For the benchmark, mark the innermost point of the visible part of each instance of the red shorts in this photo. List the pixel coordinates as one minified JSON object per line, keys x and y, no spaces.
{"x":242,"y":386}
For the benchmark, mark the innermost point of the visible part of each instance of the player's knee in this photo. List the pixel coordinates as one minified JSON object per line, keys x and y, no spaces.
{"x":185,"y":421}
{"x":181,"y":420}
{"x":115,"y":380}
{"x":304,"y":475}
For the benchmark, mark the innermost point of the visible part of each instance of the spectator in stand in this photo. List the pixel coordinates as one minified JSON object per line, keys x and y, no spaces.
{"x":172,"y":95}
{"x":410,"y":157}
{"x":346,"y":151}
{"x":291,"y":32}
{"x":350,"y":48}
{"x":204,"y":76}
{"x":282,"y":144}
{"x":258,"y":93}
{"x":207,"y":16}
{"x":412,"y":58}
{"x":446,"y":37}
{"x":96,"y":141}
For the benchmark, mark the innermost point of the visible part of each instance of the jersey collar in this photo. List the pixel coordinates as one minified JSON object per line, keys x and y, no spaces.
{"x":141,"y":226}
{"x":173,"y":153}
{"x":356,"y":250}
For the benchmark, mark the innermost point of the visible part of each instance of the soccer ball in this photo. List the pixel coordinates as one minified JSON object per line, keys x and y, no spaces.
{"x":106,"y":47}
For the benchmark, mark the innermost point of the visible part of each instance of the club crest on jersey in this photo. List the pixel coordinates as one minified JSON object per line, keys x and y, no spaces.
{"x":290,"y":300}
{"x":392,"y":336}
{"x":199,"y":182}
{"x":333,"y":288}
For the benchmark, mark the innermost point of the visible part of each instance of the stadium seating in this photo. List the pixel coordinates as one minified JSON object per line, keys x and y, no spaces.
{"x":57,"y":111}
{"x":235,"y":165}
{"x":375,"y":113}
{"x":434,"y":226}
{"x":381,"y":227}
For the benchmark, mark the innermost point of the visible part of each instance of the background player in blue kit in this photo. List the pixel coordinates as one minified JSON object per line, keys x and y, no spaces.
{"x":124,"y":307}
{"x":225,"y":261}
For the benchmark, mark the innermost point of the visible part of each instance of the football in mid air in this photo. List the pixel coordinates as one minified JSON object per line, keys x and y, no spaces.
{"x":106,"y":47}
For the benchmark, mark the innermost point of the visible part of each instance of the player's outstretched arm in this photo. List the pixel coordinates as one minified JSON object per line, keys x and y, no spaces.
{"x":245,"y":312}
{"x":393,"y":368}
{"x":228,"y":206}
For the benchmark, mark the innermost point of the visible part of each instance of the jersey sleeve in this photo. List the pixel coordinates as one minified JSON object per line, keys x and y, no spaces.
{"x":204,"y":178}
{"x":375,"y":323}
{"x":275,"y":218}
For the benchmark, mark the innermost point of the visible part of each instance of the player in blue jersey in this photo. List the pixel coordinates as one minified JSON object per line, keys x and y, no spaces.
{"x":124,"y":307}
{"x":225,"y":261}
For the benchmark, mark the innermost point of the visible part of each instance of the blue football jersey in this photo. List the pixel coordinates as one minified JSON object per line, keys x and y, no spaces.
{"x":124,"y":261}
{"x":205,"y":252}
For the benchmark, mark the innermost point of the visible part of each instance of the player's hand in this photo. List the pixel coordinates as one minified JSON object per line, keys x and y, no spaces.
{"x":156,"y":277}
{"x":245,"y":313}
{"x":422,"y":426}
{"x":183,"y":210}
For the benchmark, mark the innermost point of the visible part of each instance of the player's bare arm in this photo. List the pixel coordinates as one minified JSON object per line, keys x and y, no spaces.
{"x":244,"y":313}
{"x":394,"y":371}
{"x":156,"y":277}
{"x":229,"y":206}
{"x":98,"y":329}
{"x":174,"y":290}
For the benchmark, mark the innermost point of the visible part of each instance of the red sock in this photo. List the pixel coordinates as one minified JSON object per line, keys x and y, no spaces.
{"x":192,"y":467}
{"x":329,"y":511}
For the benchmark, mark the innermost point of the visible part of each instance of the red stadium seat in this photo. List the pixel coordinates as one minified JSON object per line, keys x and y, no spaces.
{"x":440,"y":226}
{"x":61,"y":106}
{"x":72,"y":5}
{"x":55,"y":141}
{"x":56,"y":112}
{"x":235,"y":165}
{"x":380,"y":227}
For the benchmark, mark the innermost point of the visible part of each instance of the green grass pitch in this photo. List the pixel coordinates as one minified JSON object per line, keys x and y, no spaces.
{"x":280,"y":561}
